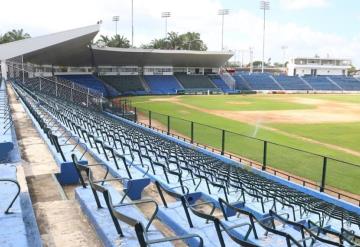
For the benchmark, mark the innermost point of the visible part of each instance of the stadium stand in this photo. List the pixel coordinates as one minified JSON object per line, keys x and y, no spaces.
{"x":194,"y":81}
{"x":258,"y":81}
{"x":125,"y":84}
{"x":162,"y":84}
{"x":241,"y":83}
{"x":216,"y":79}
{"x":285,"y":214}
{"x":321,"y":83}
{"x":346,"y":83}
{"x":291,"y":83}
{"x":89,"y":81}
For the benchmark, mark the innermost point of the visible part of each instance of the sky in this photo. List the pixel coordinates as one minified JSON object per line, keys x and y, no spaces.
{"x":305,"y":27}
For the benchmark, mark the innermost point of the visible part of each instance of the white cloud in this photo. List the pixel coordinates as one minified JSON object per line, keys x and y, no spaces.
{"x":242,"y":27}
{"x":303,"y":4}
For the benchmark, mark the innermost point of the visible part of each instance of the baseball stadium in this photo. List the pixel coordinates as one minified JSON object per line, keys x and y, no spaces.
{"x":109,"y":144}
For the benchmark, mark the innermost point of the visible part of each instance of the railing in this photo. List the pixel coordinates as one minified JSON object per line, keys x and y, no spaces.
{"x":335,"y":177}
{"x":60,"y":88}
{"x":7,"y":211}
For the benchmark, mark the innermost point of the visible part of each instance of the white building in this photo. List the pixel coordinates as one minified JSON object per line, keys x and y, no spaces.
{"x":302,"y":66}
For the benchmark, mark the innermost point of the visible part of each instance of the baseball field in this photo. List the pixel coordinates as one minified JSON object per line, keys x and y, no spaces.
{"x":327,"y":125}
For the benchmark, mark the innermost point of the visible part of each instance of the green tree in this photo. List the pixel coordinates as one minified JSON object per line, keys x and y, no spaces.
{"x":103,"y":40}
{"x":352,"y":70}
{"x":119,"y":41}
{"x":13,"y":35}
{"x":174,"y":41}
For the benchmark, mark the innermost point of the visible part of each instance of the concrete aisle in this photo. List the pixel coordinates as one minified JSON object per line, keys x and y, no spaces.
{"x":60,"y":220}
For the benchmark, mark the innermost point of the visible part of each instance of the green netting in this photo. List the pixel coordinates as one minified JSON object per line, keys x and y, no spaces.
{"x":244,"y":146}
{"x":295,"y":162}
{"x":208,"y":136}
{"x":343,"y":176}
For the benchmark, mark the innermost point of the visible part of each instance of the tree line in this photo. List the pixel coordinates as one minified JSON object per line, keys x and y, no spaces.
{"x":173,"y":41}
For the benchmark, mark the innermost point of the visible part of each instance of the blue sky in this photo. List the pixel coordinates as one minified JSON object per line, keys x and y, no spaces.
{"x":306,"y":27}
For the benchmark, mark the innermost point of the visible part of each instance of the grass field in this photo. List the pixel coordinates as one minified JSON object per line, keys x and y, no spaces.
{"x":324,"y":124}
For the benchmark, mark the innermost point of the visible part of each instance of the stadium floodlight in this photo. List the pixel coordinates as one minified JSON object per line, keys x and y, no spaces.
{"x":284,"y":48}
{"x":166,"y":15}
{"x":116,"y":20}
{"x":264,"y":5}
{"x":251,"y":52}
{"x":223,"y":12}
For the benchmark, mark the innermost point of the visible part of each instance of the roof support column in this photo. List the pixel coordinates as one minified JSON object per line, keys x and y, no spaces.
{"x":4,"y":69}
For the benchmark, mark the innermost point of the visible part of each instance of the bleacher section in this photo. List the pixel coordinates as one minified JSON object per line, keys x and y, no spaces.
{"x":241,"y":84}
{"x":291,"y":83}
{"x":347,"y":83}
{"x":254,"y":208}
{"x":125,"y":84}
{"x":219,"y":83}
{"x":258,"y":81}
{"x":321,"y":83}
{"x":162,"y":84}
{"x":194,"y":81}
{"x":89,"y":81}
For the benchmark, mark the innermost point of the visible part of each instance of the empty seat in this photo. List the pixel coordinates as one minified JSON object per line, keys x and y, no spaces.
{"x":194,"y":81}
{"x":125,"y":84}
{"x":162,"y":84}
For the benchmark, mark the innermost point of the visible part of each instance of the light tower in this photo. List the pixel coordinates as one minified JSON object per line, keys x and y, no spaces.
{"x":284,"y":48}
{"x":251,"y":52}
{"x":223,"y":12}
{"x":264,"y":5}
{"x":116,"y":20}
{"x":166,"y":15}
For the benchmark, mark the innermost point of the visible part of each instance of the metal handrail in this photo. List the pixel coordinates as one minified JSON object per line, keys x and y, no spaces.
{"x":15,"y":197}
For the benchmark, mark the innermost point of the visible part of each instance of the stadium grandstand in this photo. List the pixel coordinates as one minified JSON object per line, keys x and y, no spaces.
{"x":134,"y":185}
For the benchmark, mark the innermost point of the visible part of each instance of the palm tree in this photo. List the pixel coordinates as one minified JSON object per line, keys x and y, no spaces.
{"x":13,"y":35}
{"x":119,"y":41}
{"x":103,"y":40}
{"x":17,"y":34}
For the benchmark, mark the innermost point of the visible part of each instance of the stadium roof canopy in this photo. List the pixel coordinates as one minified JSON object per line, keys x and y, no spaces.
{"x":72,"y":48}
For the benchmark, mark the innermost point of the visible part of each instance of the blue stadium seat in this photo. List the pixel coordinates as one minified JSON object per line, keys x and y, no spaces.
{"x":291,"y":82}
{"x":347,"y":83}
{"x":216,"y":79}
{"x":162,"y":84}
{"x":321,"y":83}
{"x":89,"y":81}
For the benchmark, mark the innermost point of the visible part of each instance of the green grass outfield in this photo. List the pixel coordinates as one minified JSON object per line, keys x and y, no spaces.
{"x":346,"y":135}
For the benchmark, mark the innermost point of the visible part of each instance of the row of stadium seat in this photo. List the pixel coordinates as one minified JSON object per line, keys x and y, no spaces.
{"x":132,"y":151}
{"x":168,"y":84}
{"x":258,"y":81}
